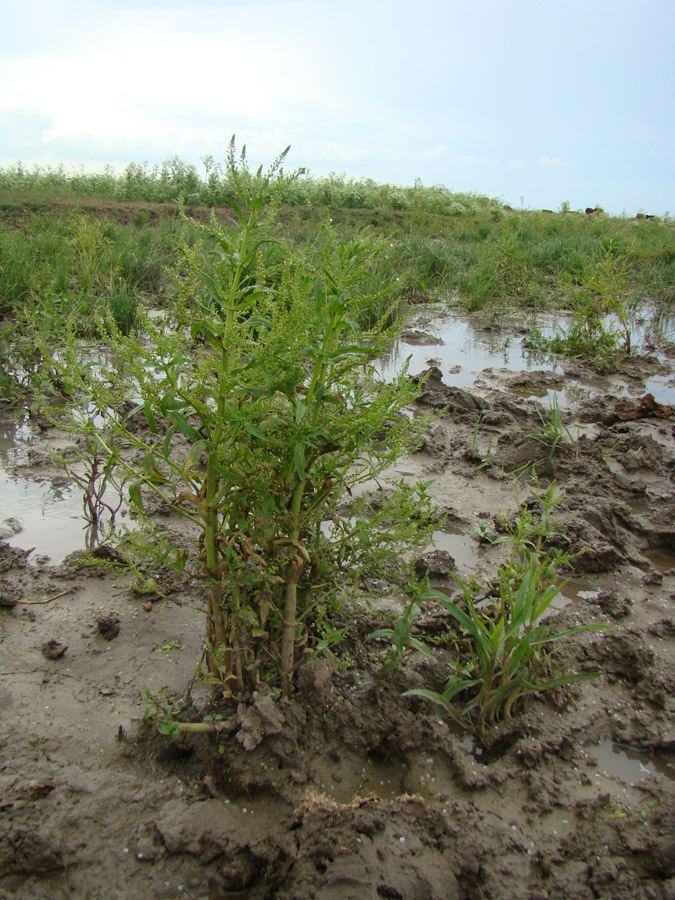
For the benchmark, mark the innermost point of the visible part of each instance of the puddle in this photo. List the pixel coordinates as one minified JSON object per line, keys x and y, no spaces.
{"x":472,"y":747}
{"x":352,"y":777}
{"x":46,"y":514}
{"x":629,"y":764}
{"x":465,"y":348}
{"x":463,"y":549}
{"x":661,"y":560}
{"x":468,"y":346}
{"x":15,"y":438}
{"x":50,"y":516}
{"x":42,"y":514}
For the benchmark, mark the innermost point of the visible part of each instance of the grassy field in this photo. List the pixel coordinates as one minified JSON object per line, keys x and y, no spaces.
{"x":76,"y":246}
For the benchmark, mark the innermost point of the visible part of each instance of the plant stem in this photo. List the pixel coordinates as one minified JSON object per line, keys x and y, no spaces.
{"x":295,"y":567}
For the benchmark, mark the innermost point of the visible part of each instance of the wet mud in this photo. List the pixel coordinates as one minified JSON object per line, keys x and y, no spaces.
{"x":347,"y":789}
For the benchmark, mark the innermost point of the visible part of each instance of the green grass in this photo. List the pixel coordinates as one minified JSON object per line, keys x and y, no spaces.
{"x":73,"y":243}
{"x":507,"y":649}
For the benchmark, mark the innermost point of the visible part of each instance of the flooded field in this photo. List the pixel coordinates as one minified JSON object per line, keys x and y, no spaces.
{"x":465,"y":347}
{"x":351,"y":787}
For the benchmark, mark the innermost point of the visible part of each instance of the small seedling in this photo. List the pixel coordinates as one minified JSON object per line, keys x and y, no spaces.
{"x":402,"y":642}
{"x":169,"y":646}
{"x":553,"y":431}
{"x":485,"y":534}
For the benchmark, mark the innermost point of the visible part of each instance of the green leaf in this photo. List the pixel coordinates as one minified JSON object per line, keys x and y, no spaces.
{"x":418,"y":645}
{"x":238,"y":213}
{"x":299,"y":460}
{"x":438,"y":699}
{"x":135,"y":494}
{"x":149,"y":415}
{"x":170,"y":729}
{"x":184,"y":427}
{"x":255,"y":431}
{"x":300,"y":410}
{"x":381,"y":633}
{"x":192,"y":458}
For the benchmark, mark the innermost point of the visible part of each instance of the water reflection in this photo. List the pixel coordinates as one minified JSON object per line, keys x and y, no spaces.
{"x":36,"y":513}
{"x":630,"y":764}
{"x":467,"y":347}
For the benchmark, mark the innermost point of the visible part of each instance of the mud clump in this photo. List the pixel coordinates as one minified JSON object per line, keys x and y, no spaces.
{"x":24,"y":852}
{"x":612,"y":605}
{"x":435,"y":563}
{"x":370,"y":850}
{"x":108,"y":627}
{"x":415,"y":336}
{"x":645,"y":408}
{"x":53,"y":649}
{"x":623,"y":654}
{"x":461,"y":405}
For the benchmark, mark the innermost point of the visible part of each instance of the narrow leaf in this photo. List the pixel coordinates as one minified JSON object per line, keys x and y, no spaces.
{"x":254,"y":430}
{"x":299,"y":460}
{"x":135,"y":494}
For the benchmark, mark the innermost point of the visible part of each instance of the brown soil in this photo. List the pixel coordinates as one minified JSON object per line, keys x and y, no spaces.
{"x":13,"y":207}
{"x":347,"y":789}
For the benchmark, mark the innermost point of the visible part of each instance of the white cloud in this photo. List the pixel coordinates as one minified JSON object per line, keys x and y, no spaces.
{"x":481,"y":161}
{"x":437,"y":152}
{"x":552,"y":162}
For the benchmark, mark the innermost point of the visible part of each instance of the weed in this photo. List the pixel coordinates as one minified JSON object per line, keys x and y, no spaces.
{"x":169,"y":646}
{"x":123,"y":306}
{"x":485,"y":534}
{"x":97,"y":480}
{"x":485,"y":461}
{"x":605,"y":306}
{"x":553,"y":431}
{"x":161,"y":709}
{"x":507,"y":652}
{"x":265,"y":377}
{"x":402,"y":642}
{"x":363,"y":780}
{"x":329,"y":637}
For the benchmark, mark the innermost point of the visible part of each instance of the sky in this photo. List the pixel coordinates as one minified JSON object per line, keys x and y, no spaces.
{"x":534,"y":102}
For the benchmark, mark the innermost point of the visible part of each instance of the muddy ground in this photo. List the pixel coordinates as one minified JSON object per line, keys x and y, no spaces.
{"x":347,"y":789}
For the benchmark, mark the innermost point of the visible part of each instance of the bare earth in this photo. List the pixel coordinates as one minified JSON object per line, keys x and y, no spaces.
{"x":346,"y":789}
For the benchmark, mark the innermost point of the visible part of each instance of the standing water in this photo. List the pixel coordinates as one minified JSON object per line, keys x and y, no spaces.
{"x":44,"y":514}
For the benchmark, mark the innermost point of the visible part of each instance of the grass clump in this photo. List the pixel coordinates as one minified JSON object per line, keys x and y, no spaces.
{"x":123,"y":306}
{"x":506,"y":650}
{"x":553,"y":432}
{"x":605,"y":304}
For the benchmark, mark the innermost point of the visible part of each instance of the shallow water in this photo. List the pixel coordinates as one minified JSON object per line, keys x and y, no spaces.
{"x":630,"y":764}
{"x":463,"y":549}
{"x":40,"y":514}
{"x":385,"y":779}
{"x":49,"y":516}
{"x":44,"y":514}
{"x":465,"y":348}
{"x":468,"y":346}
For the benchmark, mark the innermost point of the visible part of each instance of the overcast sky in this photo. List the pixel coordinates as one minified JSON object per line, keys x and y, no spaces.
{"x":533,"y":101}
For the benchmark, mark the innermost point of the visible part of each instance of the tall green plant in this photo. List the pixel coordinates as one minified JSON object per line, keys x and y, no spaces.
{"x":252,"y":414}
